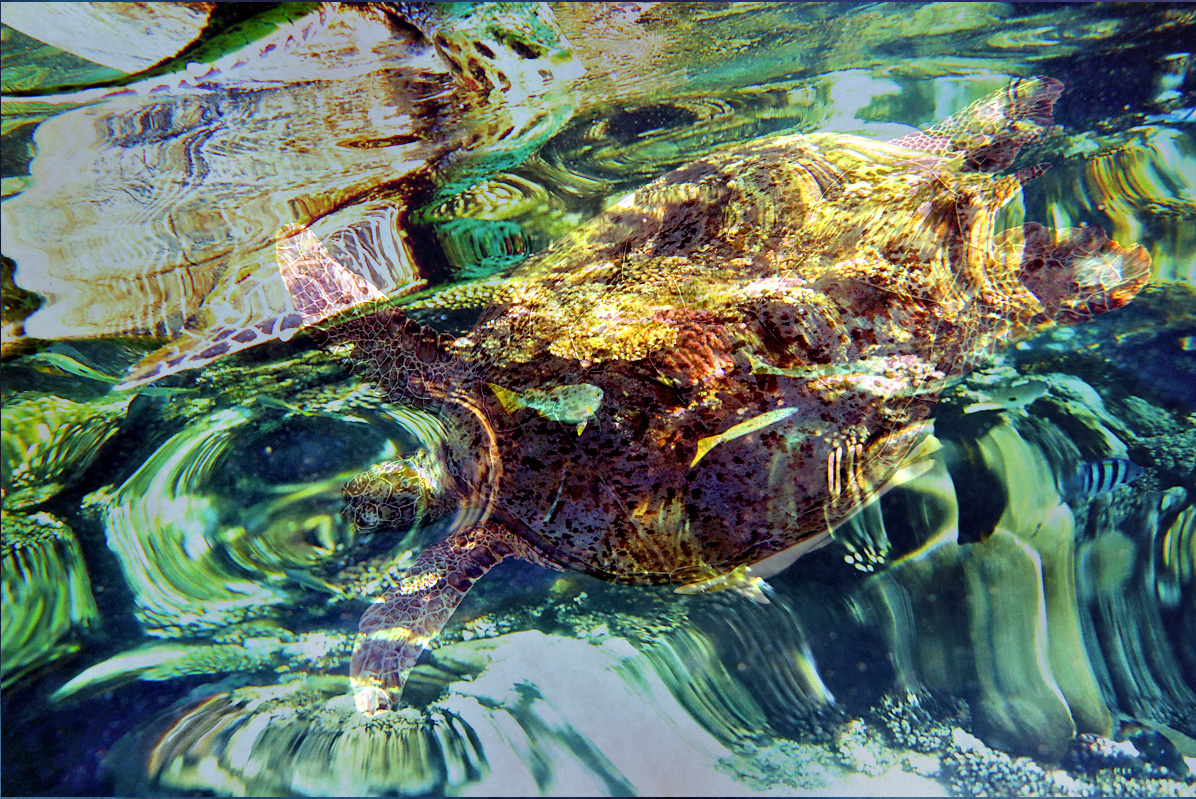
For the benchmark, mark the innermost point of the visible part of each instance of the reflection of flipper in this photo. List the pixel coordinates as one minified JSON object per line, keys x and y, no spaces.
{"x":394,"y":632}
{"x":317,"y":284}
{"x":273,"y":298}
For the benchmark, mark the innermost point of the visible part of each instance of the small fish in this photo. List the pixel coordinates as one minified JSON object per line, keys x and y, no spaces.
{"x":738,"y":580}
{"x":312,"y":582}
{"x":57,"y":363}
{"x":573,"y":404}
{"x":1100,"y":477}
{"x":810,"y":371}
{"x":741,"y":429}
{"x":1010,"y":397}
{"x":266,"y":401}
{"x":161,"y":391}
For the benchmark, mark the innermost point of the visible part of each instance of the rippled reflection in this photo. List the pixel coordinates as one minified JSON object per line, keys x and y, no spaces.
{"x":47,"y":594}
{"x":179,"y":183}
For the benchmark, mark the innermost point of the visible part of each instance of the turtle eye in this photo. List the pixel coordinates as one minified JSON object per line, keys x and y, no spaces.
{"x":363,"y":513}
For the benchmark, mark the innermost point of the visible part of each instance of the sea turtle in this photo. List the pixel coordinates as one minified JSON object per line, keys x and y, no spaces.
{"x":697,"y":386}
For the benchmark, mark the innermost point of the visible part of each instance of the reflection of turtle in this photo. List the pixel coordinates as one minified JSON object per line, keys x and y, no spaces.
{"x":153,"y":207}
{"x":718,"y":370}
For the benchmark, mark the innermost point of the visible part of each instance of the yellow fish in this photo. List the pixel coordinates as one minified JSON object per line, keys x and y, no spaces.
{"x":57,"y":363}
{"x":573,"y":404}
{"x":741,"y":429}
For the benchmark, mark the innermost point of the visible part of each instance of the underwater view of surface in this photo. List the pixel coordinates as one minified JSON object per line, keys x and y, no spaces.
{"x":598,"y":399}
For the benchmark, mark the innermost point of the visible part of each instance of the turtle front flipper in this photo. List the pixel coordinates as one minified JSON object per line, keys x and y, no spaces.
{"x":989,"y":132}
{"x":393,"y":632}
{"x":266,"y":296}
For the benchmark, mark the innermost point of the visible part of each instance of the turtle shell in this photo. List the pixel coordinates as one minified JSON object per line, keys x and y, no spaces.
{"x":765,"y":330}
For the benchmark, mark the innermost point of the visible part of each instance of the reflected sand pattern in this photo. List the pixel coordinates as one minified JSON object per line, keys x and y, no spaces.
{"x":187,"y":555}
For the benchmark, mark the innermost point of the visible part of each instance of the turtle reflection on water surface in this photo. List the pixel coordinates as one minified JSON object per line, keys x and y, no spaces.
{"x":741,"y":353}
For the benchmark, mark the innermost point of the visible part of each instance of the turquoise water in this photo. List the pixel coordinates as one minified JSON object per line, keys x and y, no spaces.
{"x":182,"y":587}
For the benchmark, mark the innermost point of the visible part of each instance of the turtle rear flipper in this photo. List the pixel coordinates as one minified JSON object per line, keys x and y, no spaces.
{"x":990,"y":131}
{"x":392,"y":633}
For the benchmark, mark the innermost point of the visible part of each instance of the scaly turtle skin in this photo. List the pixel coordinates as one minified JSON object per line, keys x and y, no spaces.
{"x":721,"y":368}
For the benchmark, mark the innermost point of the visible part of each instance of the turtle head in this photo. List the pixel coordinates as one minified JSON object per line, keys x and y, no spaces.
{"x":400,"y":493}
{"x":1078,"y":273}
